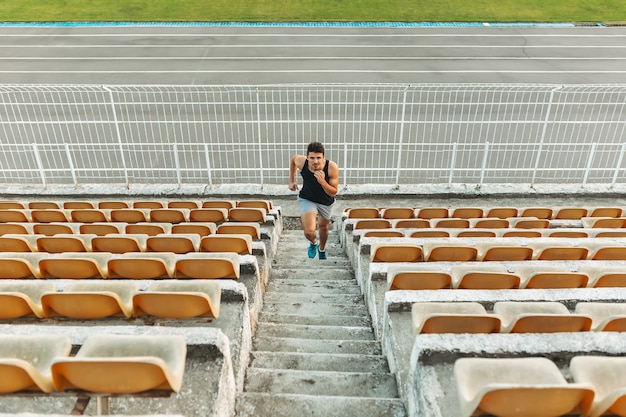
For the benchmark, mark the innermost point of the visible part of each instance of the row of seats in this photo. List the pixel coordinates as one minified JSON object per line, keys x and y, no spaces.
{"x":486,"y":232}
{"x":560,"y":213}
{"x":99,"y":299}
{"x":536,"y":387}
{"x":483,"y":223}
{"x":494,"y":249}
{"x":517,"y":317}
{"x":119,"y":204}
{"x":132,"y":265}
{"x":501,"y":277}
{"x":123,"y":243}
{"x":110,"y":364}
{"x":134,"y":215}
{"x":145,"y":228}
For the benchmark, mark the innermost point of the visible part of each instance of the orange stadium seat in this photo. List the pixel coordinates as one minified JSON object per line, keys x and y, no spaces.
{"x":179,"y":300}
{"x":224,"y":204}
{"x":209,"y":215}
{"x":363,"y":213}
{"x":432,"y":213}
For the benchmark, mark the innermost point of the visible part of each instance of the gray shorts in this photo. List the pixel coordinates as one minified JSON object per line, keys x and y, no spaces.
{"x":307,"y":206}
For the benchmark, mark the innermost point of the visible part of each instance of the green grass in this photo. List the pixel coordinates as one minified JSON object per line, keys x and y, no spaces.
{"x":315,"y":10}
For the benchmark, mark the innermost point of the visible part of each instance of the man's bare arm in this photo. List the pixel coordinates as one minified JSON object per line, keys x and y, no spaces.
{"x":296,"y":163}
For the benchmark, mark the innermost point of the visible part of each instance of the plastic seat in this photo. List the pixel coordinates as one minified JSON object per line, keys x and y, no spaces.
{"x":151,"y":265}
{"x":264,"y":204}
{"x":538,"y":212}
{"x":546,"y":280}
{"x":467,"y":212}
{"x":121,"y":243}
{"x":397,"y":213}
{"x":449,"y":252}
{"x":178,"y":243}
{"x":383,"y":233}
{"x":102,"y":229}
{"x":606,"y":317}
{"x":208,"y":215}
{"x":20,"y":265}
{"x":545,"y":251}
{"x":570,"y":213}
{"x":570,"y":234}
{"x":606,"y":375}
{"x":51,"y":229}
{"x":190,"y":205}
{"x":179,"y":300}
{"x":476,"y":233}
{"x":224,"y":204}
{"x":522,"y":233}
{"x":403,"y":278}
{"x":411,"y":224}
{"x":51,"y":216}
{"x":71,"y":205}
{"x":539,"y":317}
{"x":605,"y":212}
{"x":18,"y":243}
{"x":148,"y":205}
{"x":11,"y":205}
{"x":14,"y":216}
{"x":609,"y":253}
{"x":75,"y":265}
{"x":109,"y":205}
{"x":16,"y":228}
{"x":169,"y":215}
{"x":430,"y":233}
{"x":489,"y":223}
{"x":43,"y":205}
{"x":89,"y":216}
{"x":241,"y":244}
{"x":484,"y":277}
{"x":527,"y":223}
{"x":133,"y":215}
{"x":502,"y":212}
{"x":372,"y":224}
{"x":396,"y":252}
{"x":363,"y":213}
{"x":201,"y":229}
{"x":123,"y":364}
{"x":247,"y":214}
{"x":612,"y":234}
{"x":149,"y":229}
{"x":503,"y":251}
{"x":65,"y":243}
{"x":510,"y":387}
{"x":461,"y":317}
{"x":22,"y":298}
{"x":432,"y":213}
{"x":451,"y":223}
{"x":252,"y":229}
{"x":25,"y":361}
{"x":604,"y":275}
{"x":207,"y":265}
{"x":87,"y":300}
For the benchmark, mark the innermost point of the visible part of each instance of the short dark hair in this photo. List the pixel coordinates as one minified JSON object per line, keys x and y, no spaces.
{"x":315,"y":147}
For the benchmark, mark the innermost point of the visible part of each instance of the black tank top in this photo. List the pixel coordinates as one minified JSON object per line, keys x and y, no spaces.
{"x":311,"y":189}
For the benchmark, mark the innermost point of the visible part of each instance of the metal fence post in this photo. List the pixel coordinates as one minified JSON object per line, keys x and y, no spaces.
{"x":118,"y":133}
{"x":208,"y":164}
{"x":177,"y":165}
{"x":619,"y":164}
{"x":258,"y":115}
{"x":546,"y":121}
{"x":484,"y":164}
{"x":592,"y":154}
{"x":401,"y":138}
{"x":452,"y":163}
{"x":345,"y":164}
{"x":71,"y":164}
{"x":42,"y":173}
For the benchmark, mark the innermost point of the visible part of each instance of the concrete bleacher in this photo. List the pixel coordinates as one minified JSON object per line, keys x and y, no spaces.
{"x":424,"y":362}
{"x":218,"y":343}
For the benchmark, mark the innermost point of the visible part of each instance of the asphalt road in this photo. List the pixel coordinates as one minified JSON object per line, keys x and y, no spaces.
{"x":270,"y":55}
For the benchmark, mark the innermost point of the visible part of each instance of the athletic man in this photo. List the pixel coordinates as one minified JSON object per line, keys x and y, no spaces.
{"x":320,"y":181}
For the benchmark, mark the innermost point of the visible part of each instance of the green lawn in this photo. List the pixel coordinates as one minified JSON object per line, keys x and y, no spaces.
{"x":315,"y":10}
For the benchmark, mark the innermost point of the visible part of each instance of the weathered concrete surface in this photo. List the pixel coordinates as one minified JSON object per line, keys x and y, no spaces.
{"x":208,"y":384}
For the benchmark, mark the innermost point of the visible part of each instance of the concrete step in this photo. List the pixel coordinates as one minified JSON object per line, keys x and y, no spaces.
{"x":319,"y":362}
{"x":309,"y":286}
{"x":315,"y":320}
{"x":320,"y":274}
{"x":280,"y":344}
{"x":314,"y":332}
{"x":286,"y":297}
{"x":299,"y":260}
{"x":290,"y":405}
{"x":312,"y":309}
{"x":344,"y":384}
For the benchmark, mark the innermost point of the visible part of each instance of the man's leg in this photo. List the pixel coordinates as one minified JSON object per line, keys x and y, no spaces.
{"x":308,"y":226}
{"x":323,"y":226}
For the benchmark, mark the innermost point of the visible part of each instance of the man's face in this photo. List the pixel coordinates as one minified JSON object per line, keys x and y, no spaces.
{"x":316,"y":160}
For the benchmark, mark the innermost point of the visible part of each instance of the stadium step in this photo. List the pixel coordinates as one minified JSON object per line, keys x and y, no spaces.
{"x":314,"y":352}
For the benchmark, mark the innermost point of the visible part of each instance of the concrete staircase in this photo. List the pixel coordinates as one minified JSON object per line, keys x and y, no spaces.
{"x":314,"y":352}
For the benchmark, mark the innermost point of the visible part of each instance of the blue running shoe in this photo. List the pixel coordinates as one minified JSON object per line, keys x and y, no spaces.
{"x":312,"y":250}
{"x":322,"y":254}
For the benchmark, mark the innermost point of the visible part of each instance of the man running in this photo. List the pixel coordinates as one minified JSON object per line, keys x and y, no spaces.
{"x":320,"y":182}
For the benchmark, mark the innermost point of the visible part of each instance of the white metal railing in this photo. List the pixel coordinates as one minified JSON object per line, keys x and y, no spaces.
{"x":430,"y":137}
